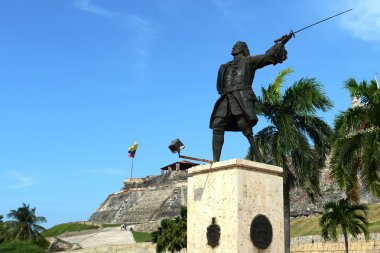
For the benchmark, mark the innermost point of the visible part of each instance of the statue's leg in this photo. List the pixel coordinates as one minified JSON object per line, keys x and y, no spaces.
{"x":217,"y":144}
{"x":217,"y":137}
{"x":254,"y":148}
{"x":247,"y":131}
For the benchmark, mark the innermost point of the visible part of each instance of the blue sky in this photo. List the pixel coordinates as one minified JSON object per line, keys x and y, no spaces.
{"x":81,"y":79}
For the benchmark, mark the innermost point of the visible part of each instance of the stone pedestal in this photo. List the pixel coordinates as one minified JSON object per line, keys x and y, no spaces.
{"x":235,"y":192}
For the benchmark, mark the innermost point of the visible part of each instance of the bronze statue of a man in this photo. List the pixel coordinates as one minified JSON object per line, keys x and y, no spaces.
{"x":234,"y":110}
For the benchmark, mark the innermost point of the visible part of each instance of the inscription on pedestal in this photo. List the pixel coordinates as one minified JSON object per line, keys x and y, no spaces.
{"x":261,"y":232}
{"x":198,"y":194}
{"x":213,"y":234}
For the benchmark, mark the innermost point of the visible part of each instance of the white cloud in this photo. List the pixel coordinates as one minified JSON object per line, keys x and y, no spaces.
{"x":89,"y":6}
{"x":364,"y":20}
{"x":143,"y":32}
{"x":107,"y":171}
{"x":139,"y":23}
{"x":227,"y":9}
{"x":18,"y":180}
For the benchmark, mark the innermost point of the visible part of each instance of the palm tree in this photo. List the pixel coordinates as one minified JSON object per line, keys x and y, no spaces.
{"x":25,"y":226}
{"x":2,"y":230}
{"x":351,"y":218}
{"x":296,"y":139}
{"x":172,"y":234}
{"x":356,"y":147}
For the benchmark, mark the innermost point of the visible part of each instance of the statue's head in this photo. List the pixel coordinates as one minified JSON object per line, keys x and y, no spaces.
{"x":240,"y":47}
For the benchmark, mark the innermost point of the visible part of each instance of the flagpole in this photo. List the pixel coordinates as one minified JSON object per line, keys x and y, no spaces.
{"x":132,"y":152}
{"x":132,"y":166}
{"x":133,"y":158}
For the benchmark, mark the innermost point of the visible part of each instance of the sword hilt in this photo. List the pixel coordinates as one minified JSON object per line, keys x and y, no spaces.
{"x":285,"y":38}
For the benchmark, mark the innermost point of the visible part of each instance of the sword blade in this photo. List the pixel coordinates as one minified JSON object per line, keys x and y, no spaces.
{"x":322,"y":20}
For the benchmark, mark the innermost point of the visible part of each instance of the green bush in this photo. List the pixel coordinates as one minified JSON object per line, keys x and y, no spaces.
{"x":172,"y":234}
{"x":20,"y":247}
{"x":2,"y":230}
{"x":42,"y":242}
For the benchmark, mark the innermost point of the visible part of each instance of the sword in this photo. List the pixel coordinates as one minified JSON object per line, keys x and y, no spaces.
{"x":284,"y":39}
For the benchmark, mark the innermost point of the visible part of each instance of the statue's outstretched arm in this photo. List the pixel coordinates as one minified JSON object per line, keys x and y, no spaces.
{"x":275,"y":54}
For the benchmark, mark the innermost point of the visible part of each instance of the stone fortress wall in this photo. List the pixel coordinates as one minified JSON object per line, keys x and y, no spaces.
{"x":301,"y":205}
{"x":143,"y":202}
{"x":146,"y":201}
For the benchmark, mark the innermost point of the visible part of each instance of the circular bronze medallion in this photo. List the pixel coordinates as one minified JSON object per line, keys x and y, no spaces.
{"x":261,"y":232}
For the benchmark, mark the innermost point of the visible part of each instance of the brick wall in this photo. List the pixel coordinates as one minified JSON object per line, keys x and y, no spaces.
{"x":128,"y":248}
{"x":315,"y":244}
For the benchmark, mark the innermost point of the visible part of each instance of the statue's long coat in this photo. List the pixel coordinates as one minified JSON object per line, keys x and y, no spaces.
{"x":241,"y":90}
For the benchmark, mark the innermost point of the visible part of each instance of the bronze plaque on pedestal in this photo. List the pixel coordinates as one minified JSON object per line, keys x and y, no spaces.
{"x":261,"y":232}
{"x":213,"y":234}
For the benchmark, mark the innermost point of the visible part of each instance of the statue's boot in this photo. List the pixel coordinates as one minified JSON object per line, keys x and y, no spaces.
{"x":254,"y":148}
{"x":217,"y":144}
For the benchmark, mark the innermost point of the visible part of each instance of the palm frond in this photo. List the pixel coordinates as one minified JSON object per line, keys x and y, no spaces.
{"x":346,"y":150}
{"x":344,"y":162}
{"x":280,"y":78}
{"x":272,"y":93}
{"x":352,"y":86}
{"x":306,"y":97}
{"x":317,"y":130}
{"x":264,"y":139}
{"x":368,"y":93}
{"x":371,"y":161}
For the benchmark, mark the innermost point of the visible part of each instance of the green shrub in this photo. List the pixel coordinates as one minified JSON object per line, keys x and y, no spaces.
{"x":2,"y":230}
{"x":20,"y":247}
{"x":172,"y":234}
{"x":42,"y":242}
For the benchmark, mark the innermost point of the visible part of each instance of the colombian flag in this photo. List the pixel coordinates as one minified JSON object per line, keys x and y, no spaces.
{"x":132,"y":150}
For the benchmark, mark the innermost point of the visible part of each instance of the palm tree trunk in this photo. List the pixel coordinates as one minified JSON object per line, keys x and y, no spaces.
{"x":286,"y":195}
{"x":353,"y":192}
{"x":345,"y":238}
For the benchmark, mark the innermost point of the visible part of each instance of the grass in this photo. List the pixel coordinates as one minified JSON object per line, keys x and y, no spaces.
{"x":374,"y":227}
{"x":305,"y":226}
{"x":67,"y":227}
{"x":71,"y":227}
{"x":310,"y":225}
{"x":20,"y":247}
{"x":142,"y":236}
{"x":374,"y":213}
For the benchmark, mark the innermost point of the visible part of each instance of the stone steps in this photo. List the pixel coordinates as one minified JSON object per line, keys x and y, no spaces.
{"x":126,"y":204}
{"x":147,"y":205}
